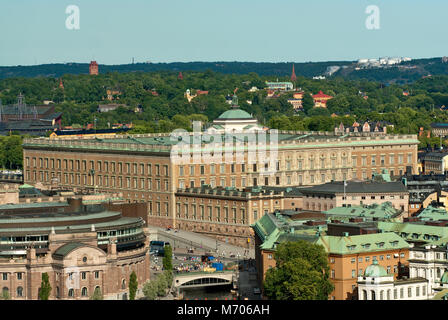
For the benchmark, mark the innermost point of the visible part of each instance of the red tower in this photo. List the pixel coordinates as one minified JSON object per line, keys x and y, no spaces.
{"x":93,"y":68}
{"x":180,"y":76}
{"x":61,"y":84}
{"x":293,"y":75}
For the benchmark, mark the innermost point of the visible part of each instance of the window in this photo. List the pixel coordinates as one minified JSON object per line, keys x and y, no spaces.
{"x":97,"y":274}
{"x":71,"y":293}
{"x":83,"y":275}
{"x":353,"y":273}
{"x":5,"y":276}
{"x":19,"y":275}
{"x":84,"y":292}
{"x":19,"y":292}
{"x":409,"y":292}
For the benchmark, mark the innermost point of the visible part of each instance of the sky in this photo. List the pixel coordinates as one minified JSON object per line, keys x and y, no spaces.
{"x":114,"y":32}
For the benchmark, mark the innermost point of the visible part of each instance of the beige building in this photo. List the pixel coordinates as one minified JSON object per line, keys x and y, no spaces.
{"x":149,"y":168}
{"x":331,"y":195}
{"x":227,"y":213}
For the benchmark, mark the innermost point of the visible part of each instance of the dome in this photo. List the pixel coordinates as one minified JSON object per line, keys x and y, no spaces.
{"x":235,"y":114}
{"x":444,"y":279}
{"x":375,"y":270}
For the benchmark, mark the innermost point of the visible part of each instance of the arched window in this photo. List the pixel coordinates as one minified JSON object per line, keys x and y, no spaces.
{"x":123,"y":284}
{"x":57,"y":292}
{"x":364,"y":292}
{"x":373,"y":295}
{"x":71,"y":293}
{"x":5,"y":291}
{"x":19,"y":292}
{"x":381,"y":295}
{"x":84,"y":292}
{"x":388,"y":294}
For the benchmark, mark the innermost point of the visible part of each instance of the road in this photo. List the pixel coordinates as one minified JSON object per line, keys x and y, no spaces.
{"x":181,"y":239}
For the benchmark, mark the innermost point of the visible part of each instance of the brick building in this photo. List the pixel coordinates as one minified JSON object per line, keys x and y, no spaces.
{"x":80,"y":247}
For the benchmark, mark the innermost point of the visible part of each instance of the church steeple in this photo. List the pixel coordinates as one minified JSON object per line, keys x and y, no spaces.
{"x":293,"y":75}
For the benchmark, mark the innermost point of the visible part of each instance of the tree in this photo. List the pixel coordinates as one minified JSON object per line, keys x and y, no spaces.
{"x":301,"y":273}
{"x":307,"y":102}
{"x":5,"y":294}
{"x":162,"y":285}
{"x":133,"y":284}
{"x":168,"y":258}
{"x":97,"y":294}
{"x":150,"y":290}
{"x":45,"y":287}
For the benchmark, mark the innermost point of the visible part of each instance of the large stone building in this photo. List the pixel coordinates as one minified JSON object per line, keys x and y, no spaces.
{"x":80,"y":247}
{"x":351,"y":193}
{"x":228,"y":213}
{"x":152,"y":167}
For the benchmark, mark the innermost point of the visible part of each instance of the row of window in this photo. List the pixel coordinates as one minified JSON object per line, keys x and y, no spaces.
{"x":102,"y":181}
{"x":99,"y":166}
{"x":212,"y":212}
{"x":386,"y":295}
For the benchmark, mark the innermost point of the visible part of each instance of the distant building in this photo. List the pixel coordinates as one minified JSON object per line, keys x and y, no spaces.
{"x":320,"y":99}
{"x":439,"y":129}
{"x":378,"y":127}
{"x":28,"y":119}
{"x":109,"y":107}
{"x":93,"y":68}
{"x":435,"y":162}
{"x":283,"y":86}
{"x":113,"y":94}
{"x":235,"y":120}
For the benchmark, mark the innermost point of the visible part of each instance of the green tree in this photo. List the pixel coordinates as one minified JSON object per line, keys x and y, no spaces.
{"x":168,"y":258}
{"x":301,"y":273}
{"x":97,"y":294}
{"x":133,"y":284}
{"x":162,"y":285}
{"x":307,"y":102}
{"x":45,"y":287}
{"x":5,"y":294}
{"x":150,"y":290}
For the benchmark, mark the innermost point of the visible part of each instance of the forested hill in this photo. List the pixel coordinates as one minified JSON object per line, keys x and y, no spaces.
{"x":263,"y":68}
{"x":406,"y":72}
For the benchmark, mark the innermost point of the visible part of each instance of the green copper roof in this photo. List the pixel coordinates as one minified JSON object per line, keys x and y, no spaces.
{"x":375,"y":270}
{"x":362,"y":243}
{"x":383,"y":211}
{"x":235,"y":114}
{"x":432,"y":213}
{"x":69,"y":247}
{"x":415,"y":232}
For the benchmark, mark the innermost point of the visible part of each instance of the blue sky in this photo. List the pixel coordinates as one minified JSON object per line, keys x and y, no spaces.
{"x":113,"y":31}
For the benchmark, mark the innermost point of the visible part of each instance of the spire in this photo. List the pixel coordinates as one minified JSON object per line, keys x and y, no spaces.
{"x":180,"y":76}
{"x":293,"y":75}
{"x":61,"y":84}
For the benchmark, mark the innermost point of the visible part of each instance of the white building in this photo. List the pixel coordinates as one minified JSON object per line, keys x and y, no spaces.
{"x":377,"y":284}
{"x":431,"y":263}
{"x":235,"y":120}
